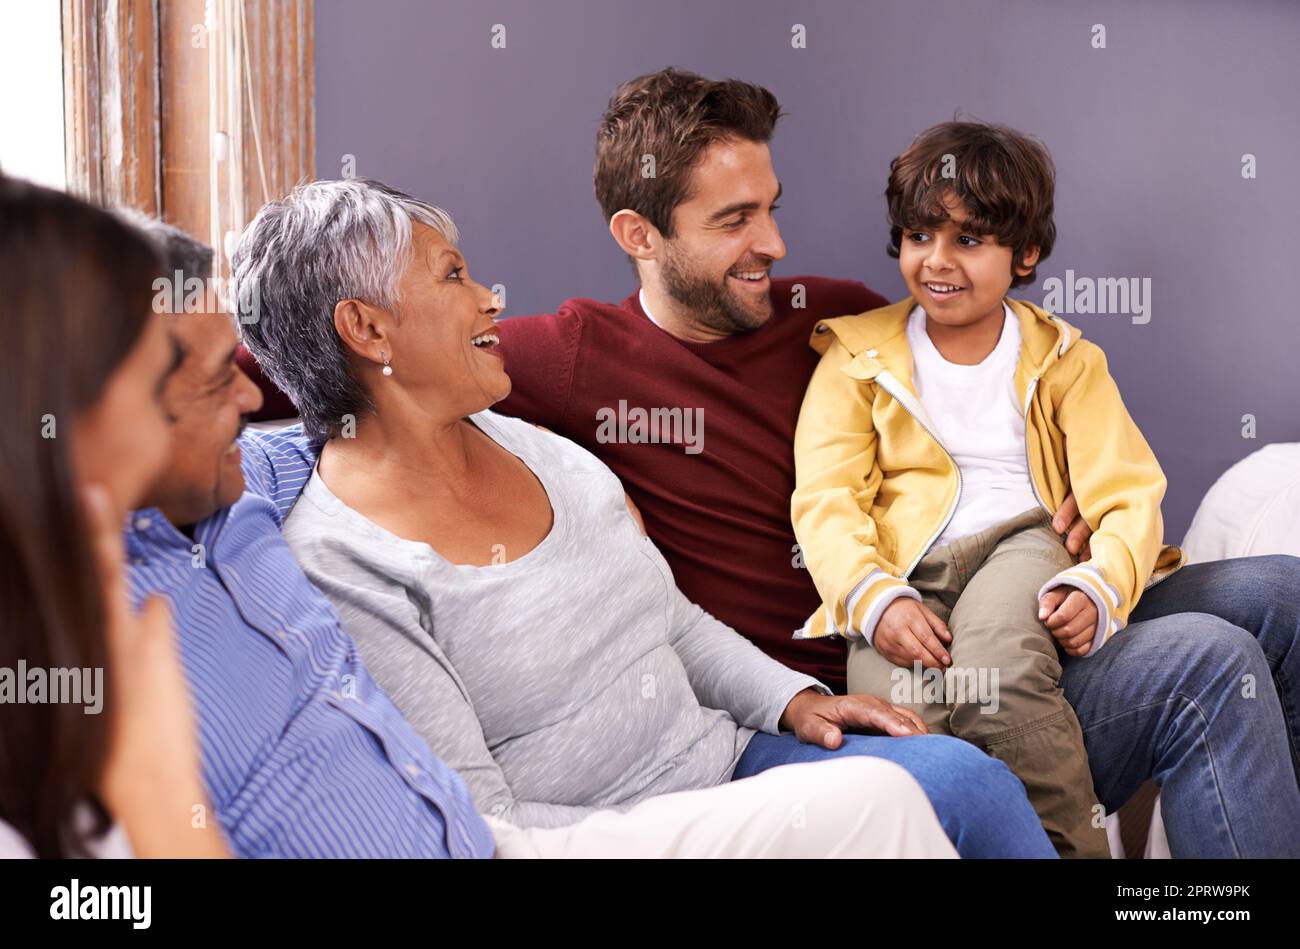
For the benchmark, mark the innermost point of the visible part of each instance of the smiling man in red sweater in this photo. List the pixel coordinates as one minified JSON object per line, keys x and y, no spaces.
{"x":690,"y":389}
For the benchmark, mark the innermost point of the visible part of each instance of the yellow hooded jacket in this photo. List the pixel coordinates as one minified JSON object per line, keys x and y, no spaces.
{"x":874,"y":486}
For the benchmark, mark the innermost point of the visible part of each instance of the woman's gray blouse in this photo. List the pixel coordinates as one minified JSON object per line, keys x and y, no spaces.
{"x":574,"y":678}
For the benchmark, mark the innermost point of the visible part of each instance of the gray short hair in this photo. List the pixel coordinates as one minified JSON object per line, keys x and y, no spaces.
{"x":179,"y":251}
{"x":326,"y":241}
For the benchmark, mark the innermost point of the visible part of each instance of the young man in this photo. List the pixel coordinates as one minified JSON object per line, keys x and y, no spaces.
{"x":710,"y":332}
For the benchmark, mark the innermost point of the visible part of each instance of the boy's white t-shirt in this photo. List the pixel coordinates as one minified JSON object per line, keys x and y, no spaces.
{"x":976,"y":414}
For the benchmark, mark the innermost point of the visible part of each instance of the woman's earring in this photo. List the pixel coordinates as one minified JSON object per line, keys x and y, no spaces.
{"x":388,"y":370}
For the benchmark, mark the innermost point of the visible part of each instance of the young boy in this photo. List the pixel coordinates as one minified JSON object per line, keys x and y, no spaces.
{"x":936,"y":437}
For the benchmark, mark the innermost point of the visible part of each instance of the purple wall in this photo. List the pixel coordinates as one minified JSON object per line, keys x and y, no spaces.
{"x":1148,"y":135}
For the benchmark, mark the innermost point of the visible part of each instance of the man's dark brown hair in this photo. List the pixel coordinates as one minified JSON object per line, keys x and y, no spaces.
{"x":674,"y":116}
{"x":1004,"y":179}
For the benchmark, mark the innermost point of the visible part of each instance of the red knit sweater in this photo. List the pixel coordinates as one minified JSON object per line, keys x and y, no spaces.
{"x":721,"y":516}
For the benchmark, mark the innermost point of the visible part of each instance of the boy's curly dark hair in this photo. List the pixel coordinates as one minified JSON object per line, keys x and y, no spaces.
{"x":1005,"y":180}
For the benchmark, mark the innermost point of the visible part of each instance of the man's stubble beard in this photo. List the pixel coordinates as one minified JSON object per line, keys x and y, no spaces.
{"x":711,"y":305}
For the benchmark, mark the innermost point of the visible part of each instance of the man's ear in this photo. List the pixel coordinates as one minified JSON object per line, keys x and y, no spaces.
{"x":363,"y":329}
{"x":634,"y":234}
{"x":1028,"y":262}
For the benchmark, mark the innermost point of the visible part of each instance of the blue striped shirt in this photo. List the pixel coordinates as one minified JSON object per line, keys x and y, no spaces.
{"x":303,"y":755}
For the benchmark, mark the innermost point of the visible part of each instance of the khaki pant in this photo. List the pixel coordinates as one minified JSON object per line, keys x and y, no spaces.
{"x":1003,"y":691}
{"x":843,"y":807}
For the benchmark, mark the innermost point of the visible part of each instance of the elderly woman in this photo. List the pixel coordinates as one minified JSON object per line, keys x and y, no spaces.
{"x":496,"y":577}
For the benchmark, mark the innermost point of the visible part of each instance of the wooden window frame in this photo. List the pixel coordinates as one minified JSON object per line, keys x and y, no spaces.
{"x":110,"y":101}
{"x":198,"y":112}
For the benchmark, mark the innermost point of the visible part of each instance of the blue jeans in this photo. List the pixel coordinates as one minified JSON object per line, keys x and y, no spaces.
{"x":980,"y":804}
{"x":1200,"y":694}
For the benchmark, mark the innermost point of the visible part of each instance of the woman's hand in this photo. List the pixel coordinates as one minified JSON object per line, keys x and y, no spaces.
{"x":822,"y":719}
{"x":152,"y":780}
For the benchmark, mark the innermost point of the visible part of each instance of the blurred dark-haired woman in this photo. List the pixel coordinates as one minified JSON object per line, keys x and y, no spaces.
{"x":98,"y":751}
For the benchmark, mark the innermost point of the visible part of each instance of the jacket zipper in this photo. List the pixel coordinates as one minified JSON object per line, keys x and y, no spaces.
{"x":951,"y":510}
{"x":1029,"y":467}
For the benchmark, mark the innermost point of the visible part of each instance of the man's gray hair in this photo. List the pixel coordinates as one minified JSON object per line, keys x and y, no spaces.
{"x":326,"y":241}
{"x":179,"y":251}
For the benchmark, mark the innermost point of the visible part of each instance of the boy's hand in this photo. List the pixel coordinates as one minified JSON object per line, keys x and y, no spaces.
{"x":909,"y":632}
{"x":1070,"y":617}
